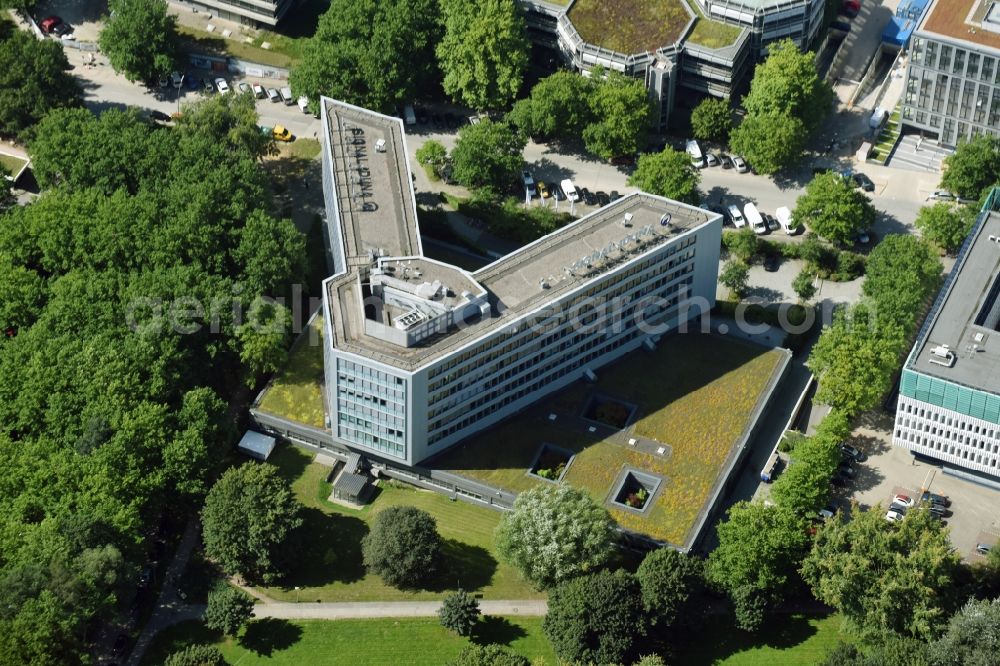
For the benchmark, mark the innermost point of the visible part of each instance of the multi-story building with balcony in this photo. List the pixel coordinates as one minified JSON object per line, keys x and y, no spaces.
{"x":256,"y":13}
{"x":953,"y":76}
{"x":949,"y":396}
{"x":420,"y":354}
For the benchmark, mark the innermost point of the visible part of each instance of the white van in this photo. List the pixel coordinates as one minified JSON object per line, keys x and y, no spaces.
{"x":736,"y":216}
{"x":694,"y":150}
{"x":304,"y":104}
{"x":754,"y":219}
{"x":409,"y":115}
{"x":569,"y":189}
{"x":785,"y":220}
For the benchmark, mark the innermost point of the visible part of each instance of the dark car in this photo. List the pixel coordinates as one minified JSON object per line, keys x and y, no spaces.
{"x":120,"y":644}
{"x":159,"y":115}
{"x":602,"y":198}
{"x":938,"y":510}
{"x":847,"y":470}
{"x":726,"y":161}
{"x":422,"y":115}
{"x":855,"y":454}
{"x":208,"y":85}
{"x":588,"y":197}
{"x":615,"y":196}
{"x":933,"y":498}
{"x":864,"y":182}
{"x":62,"y":29}
{"x":437,"y":120}
{"x":771,"y":262}
{"x":721,"y":211}
{"x":838,"y":481}
{"x":146,"y":577}
{"x":190,"y":81}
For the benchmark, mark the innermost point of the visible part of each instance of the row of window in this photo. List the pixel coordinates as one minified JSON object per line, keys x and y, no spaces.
{"x":373,"y":441}
{"x":952,"y":96}
{"x":950,"y":433}
{"x":955,"y":60}
{"x":949,"y":421}
{"x":943,"y":447}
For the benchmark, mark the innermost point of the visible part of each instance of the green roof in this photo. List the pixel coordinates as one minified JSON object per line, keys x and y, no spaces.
{"x":629,"y":26}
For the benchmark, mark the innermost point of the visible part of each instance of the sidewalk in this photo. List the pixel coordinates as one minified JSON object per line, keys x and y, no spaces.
{"x":374,"y":609}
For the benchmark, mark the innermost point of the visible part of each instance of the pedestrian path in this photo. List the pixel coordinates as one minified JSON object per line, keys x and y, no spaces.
{"x":376,"y":609}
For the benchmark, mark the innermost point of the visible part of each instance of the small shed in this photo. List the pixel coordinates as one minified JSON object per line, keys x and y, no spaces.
{"x":350,"y":487}
{"x":256,"y":445}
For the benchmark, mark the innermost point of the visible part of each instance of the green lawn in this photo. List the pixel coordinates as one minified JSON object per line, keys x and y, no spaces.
{"x":629,"y":26}
{"x":11,"y":163}
{"x":297,"y":393}
{"x":786,"y":640}
{"x":331,"y":568}
{"x":382,"y":641}
{"x":694,"y":394}
{"x":212,"y":43}
{"x":712,"y":34}
{"x":306,"y":149}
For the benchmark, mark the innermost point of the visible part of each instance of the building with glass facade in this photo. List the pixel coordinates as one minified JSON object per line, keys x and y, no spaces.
{"x":256,"y":13}
{"x":419,"y":354}
{"x":949,"y":398}
{"x":953,"y":76}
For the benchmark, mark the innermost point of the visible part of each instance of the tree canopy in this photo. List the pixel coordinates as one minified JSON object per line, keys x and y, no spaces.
{"x":248,"y":520}
{"x":712,"y":120}
{"x":973,"y":167}
{"x":554,"y":533}
{"x":622,"y":116}
{"x":139,"y":38}
{"x":403,"y":546}
{"x":735,"y":276}
{"x":769,"y":141}
{"x":492,"y":654}
{"x":596,"y":618}
{"x":886,"y":578}
{"x":484,"y":52}
{"x":459,"y":612}
{"x":228,"y":610}
{"x":804,"y":487}
{"x":972,"y":637}
{"x":946,"y":225}
{"x":488,"y":155}
{"x":669,"y":580}
{"x":371,"y":53}
{"x":834,"y":209}
{"x":558,"y":107}
{"x":34,"y":79}
{"x":669,"y":174}
{"x":901,"y":272}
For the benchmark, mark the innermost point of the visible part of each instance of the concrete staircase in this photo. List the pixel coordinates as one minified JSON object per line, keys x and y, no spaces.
{"x":913,"y":154}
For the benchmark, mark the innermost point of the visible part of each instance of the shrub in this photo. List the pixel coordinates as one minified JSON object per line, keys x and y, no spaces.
{"x":196,"y":655}
{"x":228,"y":609}
{"x":403,"y":546}
{"x":459,"y":612}
{"x":489,"y":655}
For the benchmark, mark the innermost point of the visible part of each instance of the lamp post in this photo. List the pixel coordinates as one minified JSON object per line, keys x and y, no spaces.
{"x":297,"y":588}
{"x":179,"y":84}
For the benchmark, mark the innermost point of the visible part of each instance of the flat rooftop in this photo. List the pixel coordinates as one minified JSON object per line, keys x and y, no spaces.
{"x":630,"y":26}
{"x":962,"y":20}
{"x":967,"y":320}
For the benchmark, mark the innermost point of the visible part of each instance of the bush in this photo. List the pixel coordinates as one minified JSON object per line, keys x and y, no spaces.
{"x":668,"y":580}
{"x":510,"y":219}
{"x":196,"y":655}
{"x":790,"y":440}
{"x":403,"y":546}
{"x":459,"y":612}
{"x":228,"y":609}
{"x":489,"y":655}
{"x":850,"y":266}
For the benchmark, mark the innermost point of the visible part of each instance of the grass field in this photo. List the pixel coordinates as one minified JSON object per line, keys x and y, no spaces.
{"x":629,"y":26}
{"x":694,"y":394}
{"x":297,"y":393}
{"x":331,"y":567}
{"x":786,"y":640}
{"x":374,"y":642}
{"x":11,"y":163}
{"x":306,"y":149}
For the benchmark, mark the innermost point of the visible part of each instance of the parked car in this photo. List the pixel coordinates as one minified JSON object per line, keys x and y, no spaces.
{"x":159,"y":115}
{"x":896,"y":506}
{"x":602,"y":198}
{"x":176,"y":79}
{"x":772,"y":222}
{"x":529,"y":183}
{"x":929,"y":497}
{"x":222,"y":85}
{"x":121,"y":642}
{"x":588,"y":197}
{"x":64,"y":31}
{"x":721,"y":211}
{"x":615,"y":196}
{"x":273,"y":95}
{"x":864,"y":182}
{"x":146,"y":577}
{"x":286,"y":95}
{"x":942,"y":195}
{"x":243,"y":86}
{"x":711,"y":159}
{"x":558,"y":193}
{"x":736,"y":216}
{"x":422,"y":115}
{"x":727,"y":161}
{"x":983,"y":549}
{"x":543,"y":190}
{"x":938,"y":510}
{"x":862,"y":237}
{"x":847,"y":470}
{"x":854,"y":453}
{"x":49,"y":23}
{"x":771,"y":263}
{"x":258,"y":91}
{"x":207,"y":85}
{"x":569,"y":189}
{"x":893,"y":516}
{"x":740,"y":164}
{"x":904,"y":500}
{"x":826,"y":514}
{"x":191,"y":82}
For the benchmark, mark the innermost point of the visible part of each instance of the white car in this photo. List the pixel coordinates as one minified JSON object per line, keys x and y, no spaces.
{"x":893,"y":516}
{"x":222,"y":85}
{"x":740,"y":164}
{"x":569,"y":189}
{"x":903,"y":500}
{"x":736,"y":216}
{"x":529,"y":183}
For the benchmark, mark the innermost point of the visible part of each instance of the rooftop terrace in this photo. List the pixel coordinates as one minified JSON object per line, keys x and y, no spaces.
{"x":961,"y":19}
{"x":967,"y":320}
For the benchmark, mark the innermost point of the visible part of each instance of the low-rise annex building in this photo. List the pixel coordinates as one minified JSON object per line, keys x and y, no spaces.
{"x":419,"y":354}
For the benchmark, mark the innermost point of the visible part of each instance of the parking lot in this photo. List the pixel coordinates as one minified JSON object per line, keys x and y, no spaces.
{"x":891,"y":470}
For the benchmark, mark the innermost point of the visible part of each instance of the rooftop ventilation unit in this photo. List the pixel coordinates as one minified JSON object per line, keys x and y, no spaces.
{"x":543,"y":283}
{"x":627,"y":221}
{"x":409,"y":320}
{"x":941,"y":355}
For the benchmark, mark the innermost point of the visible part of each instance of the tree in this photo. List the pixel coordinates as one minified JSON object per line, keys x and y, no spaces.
{"x":403,"y":546}
{"x":558,"y":107}
{"x":488,"y":155}
{"x":432,"y":153}
{"x":651,"y":660}
{"x":770,"y":142}
{"x":554,"y":533}
{"x":787,"y":84}
{"x":484,"y":52}
{"x":759,"y":548}
{"x":735,"y":276}
{"x":668,"y":580}
{"x":804,"y":487}
{"x":972,"y":637}
{"x":140,"y":38}
{"x":459,"y":612}
{"x":833,"y":208}
{"x":370,"y":53}
{"x":973,"y":167}
{"x":34,"y":79}
{"x":712,"y":120}
{"x":22,"y":293}
{"x":804,"y":285}
{"x":946,"y":225}
{"x":668,"y":174}
{"x":492,"y":654}
{"x":888,"y":650}
{"x":622,"y":115}
{"x":743,"y":244}
{"x":596,"y":618}
{"x":249,"y":516}
{"x":196,"y":655}
{"x":900,"y":274}
{"x":263,"y":339}
{"x":886,"y":578}
{"x":228,"y":610}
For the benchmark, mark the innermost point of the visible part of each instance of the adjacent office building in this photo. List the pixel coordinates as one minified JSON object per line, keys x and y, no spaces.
{"x":953,"y":77}
{"x":255,"y":13}
{"x":420,"y":354}
{"x":949,"y":400}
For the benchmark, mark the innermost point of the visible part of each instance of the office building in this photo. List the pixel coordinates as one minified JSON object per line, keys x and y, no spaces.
{"x":949,"y":398}
{"x":953,"y":76}
{"x":419,"y":354}
{"x":255,"y":13}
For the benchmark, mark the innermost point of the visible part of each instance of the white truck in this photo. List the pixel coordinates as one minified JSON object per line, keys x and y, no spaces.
{"x":784,"y":217}
{"x":754,"y":219}
{"x":694,"y":150}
